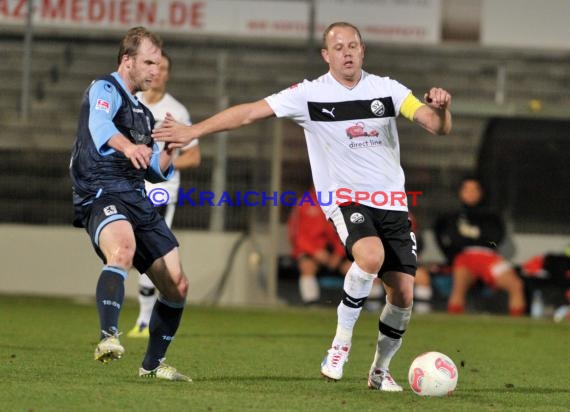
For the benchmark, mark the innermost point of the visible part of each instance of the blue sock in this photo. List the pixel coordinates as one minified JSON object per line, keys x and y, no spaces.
{"x":109,"y":295}
{"x":164,"y":322}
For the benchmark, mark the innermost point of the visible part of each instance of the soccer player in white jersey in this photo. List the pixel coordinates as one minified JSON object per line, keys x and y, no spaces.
{"x":349,"y":118}
{"x":160,"y":102}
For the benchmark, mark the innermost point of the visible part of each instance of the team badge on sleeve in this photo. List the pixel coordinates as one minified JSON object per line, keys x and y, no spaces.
{"x":103,"y":105}
{"x":357,"y":218}
{"x":110,"y":210}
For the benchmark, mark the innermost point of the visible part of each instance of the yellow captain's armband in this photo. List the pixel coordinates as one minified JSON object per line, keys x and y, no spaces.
{"x":410,"y":106}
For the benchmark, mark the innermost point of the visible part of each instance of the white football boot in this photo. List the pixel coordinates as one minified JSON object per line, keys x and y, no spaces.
{"x":381,"y":380}
{"x":336,"y":357}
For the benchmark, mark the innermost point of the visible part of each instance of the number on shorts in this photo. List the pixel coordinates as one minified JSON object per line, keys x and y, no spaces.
{"x":415,"y":244}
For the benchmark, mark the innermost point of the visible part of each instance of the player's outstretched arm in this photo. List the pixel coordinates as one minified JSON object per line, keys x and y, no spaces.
{"x":435,"y":116}
{"x":188,"y":159}
{"x":234,"y":117}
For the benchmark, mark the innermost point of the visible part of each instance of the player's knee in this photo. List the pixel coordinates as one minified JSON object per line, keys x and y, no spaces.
{"x":406,"y":298}
{"x":370,"y":262}
{"x":402,"y":297}
{"x":182,"y":287}
{"x":122,"y":256}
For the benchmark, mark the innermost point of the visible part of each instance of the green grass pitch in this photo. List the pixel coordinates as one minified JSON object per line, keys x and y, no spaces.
{"x":268,"y":360}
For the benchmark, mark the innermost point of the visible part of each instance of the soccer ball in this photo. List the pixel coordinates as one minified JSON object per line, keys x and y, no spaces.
{"x":433,"y":374}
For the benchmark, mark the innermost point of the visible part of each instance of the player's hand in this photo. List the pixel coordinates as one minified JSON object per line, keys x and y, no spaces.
{"x":176,"y":134}
{"x":139,"y":155}
{"x":438,"y":98}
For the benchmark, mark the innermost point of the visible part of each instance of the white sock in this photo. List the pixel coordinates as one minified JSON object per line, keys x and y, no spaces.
{"x":309,"y":288}
{"x":422,"y":299}
{"x":394,"y":321}
{"x":146,"y":302}
{"x":356,"y":288}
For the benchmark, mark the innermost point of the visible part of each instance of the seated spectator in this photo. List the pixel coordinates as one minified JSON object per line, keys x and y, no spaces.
{"x":469,"y":239}
{"x":554,"y":269}
{"x":315,"y":246}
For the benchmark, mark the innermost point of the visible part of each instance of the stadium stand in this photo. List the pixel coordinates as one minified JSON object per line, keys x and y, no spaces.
{"x":62,"y":69}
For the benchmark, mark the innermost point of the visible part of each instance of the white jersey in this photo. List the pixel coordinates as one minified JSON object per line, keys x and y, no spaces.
{"x":168,"y":104}
{"x":351,"y":137}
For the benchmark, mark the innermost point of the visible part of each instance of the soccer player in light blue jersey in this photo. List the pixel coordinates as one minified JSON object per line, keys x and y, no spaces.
{"x":112,"y":156}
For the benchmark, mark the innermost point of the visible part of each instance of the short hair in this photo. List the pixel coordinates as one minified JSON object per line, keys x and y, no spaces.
{"x":340,"y":24}
{"x":469,"y":178}
{"x":131,"y":42}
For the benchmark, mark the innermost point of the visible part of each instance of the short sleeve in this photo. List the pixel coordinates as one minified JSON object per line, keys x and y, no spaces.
{"x":104,"y":102}
{"x":291,"y":102}
{"x":399,"y":93}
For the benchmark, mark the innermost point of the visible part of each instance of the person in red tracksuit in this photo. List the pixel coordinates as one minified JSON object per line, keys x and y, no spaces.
{"x":315,"y":245}
{"x":469,"y":239}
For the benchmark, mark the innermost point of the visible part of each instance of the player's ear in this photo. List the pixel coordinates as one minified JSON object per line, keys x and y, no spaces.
{"x":325,"y":55}
{"x":125,"y":58}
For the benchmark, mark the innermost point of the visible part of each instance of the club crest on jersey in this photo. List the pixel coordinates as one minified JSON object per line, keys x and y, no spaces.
{"x":103,"y":105}
{"x":357,"y":218}
{"x":110,"y":210}
{"x":377,"y":108}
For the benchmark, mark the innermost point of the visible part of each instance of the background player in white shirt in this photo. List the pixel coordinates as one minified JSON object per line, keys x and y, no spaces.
{"x":349,"y":118}
{"x":160,"y":103}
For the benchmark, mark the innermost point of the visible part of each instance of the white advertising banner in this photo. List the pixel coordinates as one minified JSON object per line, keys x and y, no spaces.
{"x":526,"y":23}
{"x":402,"y":21}
{"x":411,"y":21}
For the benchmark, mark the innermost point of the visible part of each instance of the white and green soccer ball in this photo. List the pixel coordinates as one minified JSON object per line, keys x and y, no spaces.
{"x":433,"y":374}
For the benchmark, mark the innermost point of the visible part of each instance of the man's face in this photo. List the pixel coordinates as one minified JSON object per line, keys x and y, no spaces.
{"x":470,"y":193}
{"x":143,"y":68}
{"x":160,"y":80}
{"x":344,"y":54}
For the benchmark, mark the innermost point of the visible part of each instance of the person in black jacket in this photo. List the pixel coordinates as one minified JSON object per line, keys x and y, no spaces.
{"x":553,"y":270}
{"x":469,"y":239}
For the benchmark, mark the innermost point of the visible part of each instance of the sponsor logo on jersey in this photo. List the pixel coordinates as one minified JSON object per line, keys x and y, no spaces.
{"x":103,"y":105}
{"x":329,"y":112}
{"x":359,"y":129}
